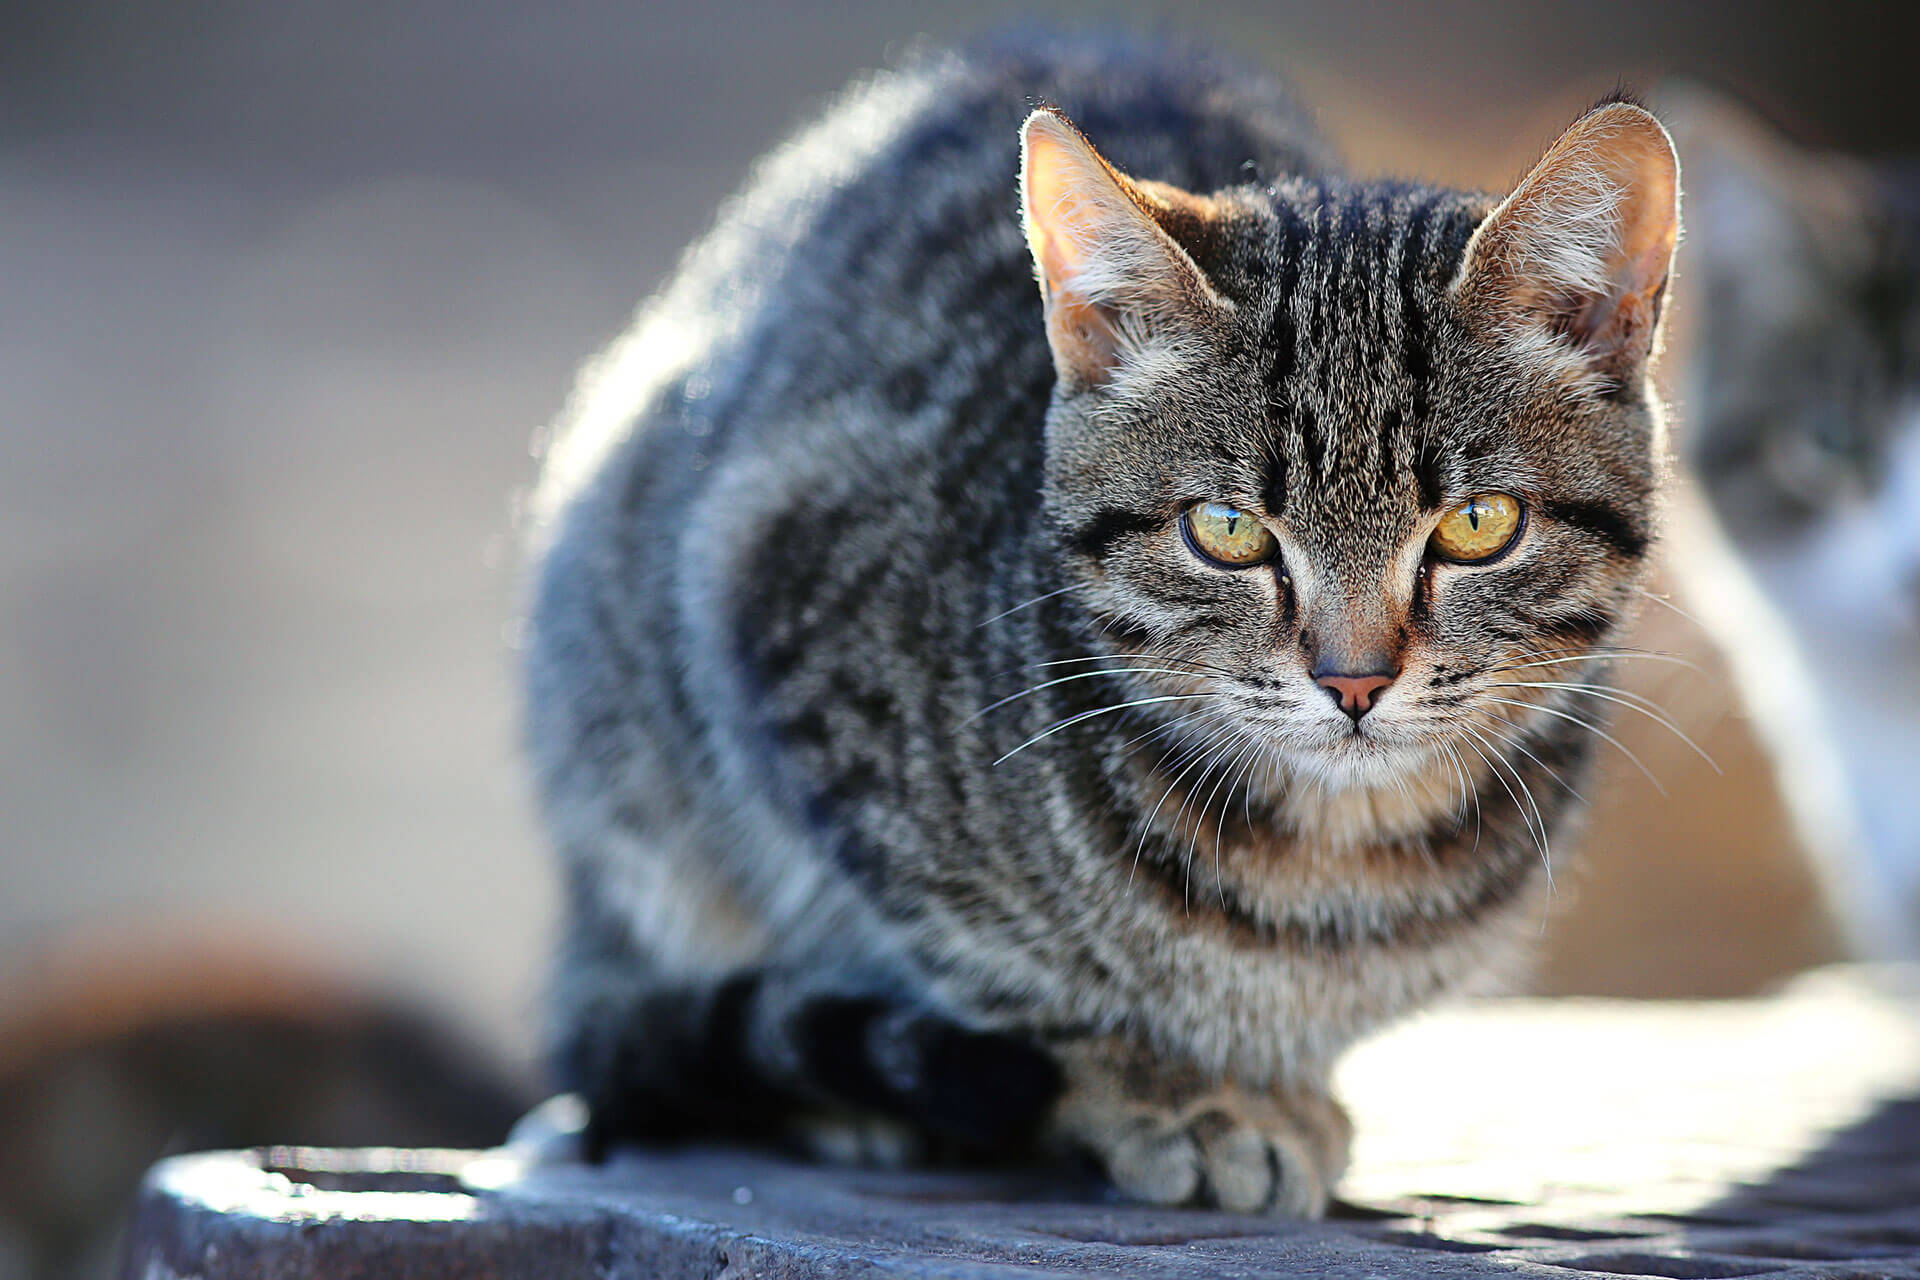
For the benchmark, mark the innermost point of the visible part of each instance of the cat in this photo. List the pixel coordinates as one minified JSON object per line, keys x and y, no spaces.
{"x":1058,"y":619}
{"x":1803,"y":430}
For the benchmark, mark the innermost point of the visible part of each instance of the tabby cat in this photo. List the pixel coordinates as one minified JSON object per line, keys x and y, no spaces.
{"x":1804,"y":431}
{"x":1058,"y":620}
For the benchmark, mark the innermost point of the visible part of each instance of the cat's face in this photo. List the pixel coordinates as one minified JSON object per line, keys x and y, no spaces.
{"x":1805,"y":391}
{"x":1354,"y":471}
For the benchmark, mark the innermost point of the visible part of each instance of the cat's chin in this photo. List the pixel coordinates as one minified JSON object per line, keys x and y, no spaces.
{"x":1359,"y":762}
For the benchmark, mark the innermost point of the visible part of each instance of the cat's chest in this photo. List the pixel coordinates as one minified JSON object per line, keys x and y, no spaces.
{"x":1349,"y":861}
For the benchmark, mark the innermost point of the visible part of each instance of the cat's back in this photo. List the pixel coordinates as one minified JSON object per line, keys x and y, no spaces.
{"x":851,"y":356}
{"x":879,"y":250}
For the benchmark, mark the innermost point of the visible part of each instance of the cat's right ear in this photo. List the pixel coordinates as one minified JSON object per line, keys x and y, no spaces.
{"x":1122,"y":298}
{"x":1573,"y":265}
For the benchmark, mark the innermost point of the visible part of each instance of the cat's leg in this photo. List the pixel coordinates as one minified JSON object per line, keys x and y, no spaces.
{"x":774,"y":1053}
{"x":850,"y":1051}
{"x":1167,"y":1135}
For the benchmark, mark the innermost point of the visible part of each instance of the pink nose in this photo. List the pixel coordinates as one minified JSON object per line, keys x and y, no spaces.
{"x":1355,"y":694}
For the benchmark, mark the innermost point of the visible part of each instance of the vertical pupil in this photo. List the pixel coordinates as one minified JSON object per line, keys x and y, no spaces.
{"x":1473,"y":515}
{"x":1233,"y":523}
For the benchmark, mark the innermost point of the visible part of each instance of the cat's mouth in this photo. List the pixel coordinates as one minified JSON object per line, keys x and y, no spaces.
{"x":1363,"y":754}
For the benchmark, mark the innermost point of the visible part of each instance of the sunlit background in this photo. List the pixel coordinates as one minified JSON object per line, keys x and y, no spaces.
{"x":286,"y":290}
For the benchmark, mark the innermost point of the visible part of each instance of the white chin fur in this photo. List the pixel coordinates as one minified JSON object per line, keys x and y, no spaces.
{"x":1357,"y":761}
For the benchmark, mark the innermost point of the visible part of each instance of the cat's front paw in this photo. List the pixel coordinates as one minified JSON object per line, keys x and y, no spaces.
{"x":1225,"y":1147}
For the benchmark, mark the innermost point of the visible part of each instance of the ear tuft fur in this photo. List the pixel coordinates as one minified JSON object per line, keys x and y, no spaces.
{"x":1573,"y":265}
{"x":1121,"y":295}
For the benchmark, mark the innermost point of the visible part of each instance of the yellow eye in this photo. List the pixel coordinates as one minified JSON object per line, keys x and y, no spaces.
{"x":1229,"y":535}
{"x":1478,"y":529}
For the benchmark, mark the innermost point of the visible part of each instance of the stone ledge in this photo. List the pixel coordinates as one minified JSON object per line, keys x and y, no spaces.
{"x":1775,"y":1137}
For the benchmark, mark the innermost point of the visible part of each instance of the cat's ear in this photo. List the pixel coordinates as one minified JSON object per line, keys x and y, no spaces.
{"x":1574,"y":264}
{"x":1121,"y":296}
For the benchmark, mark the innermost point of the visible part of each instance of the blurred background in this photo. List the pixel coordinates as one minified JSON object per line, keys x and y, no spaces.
{"x":287,"y":290}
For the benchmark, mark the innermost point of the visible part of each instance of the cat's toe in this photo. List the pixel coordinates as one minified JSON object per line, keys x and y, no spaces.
{"x":1216,"y":1159}
{"x":1151,"y":1162}
{"x":1264,"y":1165}
{"x":1245,"y":1171}
{"x":1229,"y":1152}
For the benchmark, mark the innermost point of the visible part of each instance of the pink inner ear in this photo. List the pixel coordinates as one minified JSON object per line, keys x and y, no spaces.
{"x":1109,"y":272}
{"x":1048,"y":198}
{"x":1079,"y":331}
{"x":1075,"y":206}
{"x":1061,"y":177}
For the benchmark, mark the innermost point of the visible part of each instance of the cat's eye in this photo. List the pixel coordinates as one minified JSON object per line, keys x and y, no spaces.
{"x":1227,"y":535}
{"x":1478,"y":529}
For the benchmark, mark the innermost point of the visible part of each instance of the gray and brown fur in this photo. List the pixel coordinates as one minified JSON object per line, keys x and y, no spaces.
{"x":830,"y":527}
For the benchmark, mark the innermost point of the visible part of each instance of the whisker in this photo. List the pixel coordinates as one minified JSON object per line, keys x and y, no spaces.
{"x":1591,"y":728}
{"x":1193,"y":845}
{"x":1203,"y":715}
{"x":1626,"y":698}
{"x":1466,"y":780}
{"x":1539,"y":837}
{"x":1466,"y":790}
{"x":1453,"y":778}
{"x":1501,"y":779}
{"x":1146,"y":828}
{"x":1600,"y":656}
{"x":1028,"y":604}
{"x":1265,"y":761}
{"x":1122,"y":657}
{"x":1514,"y":740}
{"x":1639,"y":699}
{"x":1665,"y":603}
{"x":1250,"y":741}
{"x":1072,"y":720}
{"x":1084,"y":675}
{"x":1213,"y":759}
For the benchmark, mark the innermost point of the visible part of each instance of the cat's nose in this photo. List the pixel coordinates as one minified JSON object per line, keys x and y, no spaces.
{"x":1355,"y":694}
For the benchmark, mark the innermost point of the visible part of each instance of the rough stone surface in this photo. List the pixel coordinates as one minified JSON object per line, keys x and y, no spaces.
{"x":1548,"y":1139}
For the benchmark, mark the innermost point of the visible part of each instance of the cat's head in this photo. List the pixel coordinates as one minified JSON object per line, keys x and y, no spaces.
{"x":1803,"y":419}
{"x":1351,"y":464}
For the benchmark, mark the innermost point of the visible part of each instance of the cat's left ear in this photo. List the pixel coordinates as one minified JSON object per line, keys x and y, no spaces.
{"x":1574,"y":264}
{"x":1122,"y":297}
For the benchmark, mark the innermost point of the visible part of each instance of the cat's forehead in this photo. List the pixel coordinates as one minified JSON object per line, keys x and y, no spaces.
{"x":1335,"y":221}
{"x":1344,"y":307}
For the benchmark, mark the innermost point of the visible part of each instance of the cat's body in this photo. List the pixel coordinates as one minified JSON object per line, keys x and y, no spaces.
{"x":855,"y":549}
{"x":1804,"y":430}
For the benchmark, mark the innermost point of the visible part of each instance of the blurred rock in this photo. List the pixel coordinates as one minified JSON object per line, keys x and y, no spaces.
{"x":112,"y":1060}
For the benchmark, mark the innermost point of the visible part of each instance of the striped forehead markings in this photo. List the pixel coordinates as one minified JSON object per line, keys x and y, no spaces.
{"x":1352,"y":264}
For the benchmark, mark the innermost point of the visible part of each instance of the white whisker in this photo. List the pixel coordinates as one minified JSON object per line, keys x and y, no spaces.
{"x":1538,"y":827}
{"x":1514,"y":740}
{"x":1146,"y":828}
{"x":1028,"y":604}
{"x":1213,"y":758}
{"x":1626,"y":698}
{"x":1600,"y":655}
{"x":1591,"y":728}
{"x":1070,"y":721}
{"x":1122,"y":657}
{"x":1084,"y":675}
{"x":1466,"y":790}
{"x":1665,"y":603}
{"x":1250,"y":741}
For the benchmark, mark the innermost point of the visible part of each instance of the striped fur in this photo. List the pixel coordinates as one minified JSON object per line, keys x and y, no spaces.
{"x":842,"y":591}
